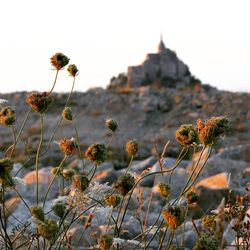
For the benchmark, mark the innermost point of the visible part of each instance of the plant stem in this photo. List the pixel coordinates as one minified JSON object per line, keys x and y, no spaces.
{"x":130,"y":164}
{"x":57,"y":71}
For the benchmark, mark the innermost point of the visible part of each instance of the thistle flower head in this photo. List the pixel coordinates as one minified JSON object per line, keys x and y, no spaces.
{"x":174,"y":216}
{"x":206,"y":241}
{"x":7,"y":116}
{"x":97,"y":153}
{"x":73,"y":70}
{"x":68,"y":173}
{"x":124,"y":184}
{"x":191,"y":197}
{"x":105,"y":241}
{"x":81,"y":182}
{"x":210,"y":131}
{"x":164,"y":189}
{"x":68,"y":146}
{"x":112,"y":200}
{"x":111,"y":124}
{"x":186,"y":135}
{"x":39,"y":102}
{"x":132,"y":147}
{"x":67,"y":114}
{"x":59,"y":60}
{"x":38,"y":213}
{"x":48,"y":229}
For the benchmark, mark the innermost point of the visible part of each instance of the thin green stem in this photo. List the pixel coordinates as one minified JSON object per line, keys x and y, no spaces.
{"x":57,"y":71}
{"x":130,"y":164}
{"x":71,"y":91}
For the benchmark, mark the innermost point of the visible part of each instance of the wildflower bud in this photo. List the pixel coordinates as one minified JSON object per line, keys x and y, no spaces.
{"x":56,"y":171}
{"x":213,"y":128}
{"x":48,"y":229}
{"x":124,"y":184}
{"x":59,"y":209}
{"x":191,"y":197}
{"x":97,"y":153}
{"x":132,"y":147}
{"x":174,"y":216}
{"x":39,"y":102}
{"x":81,"y":182}
{"x":105,"y":241}
{"x":68,"y":146}
{"x":208,"y":221}
{"x":186,"y":135}
{"x":73,"y":70}
{"x":112,"y":200}
{"x":68,"y":173}
{"x":111,"y":124}
{"x":38,"y":213}
{"x":67,"y":114}
{"x":206,"y":241}
{"x":7,"y":116}
{"x":59,"y":60}
{"x":164,"y":190}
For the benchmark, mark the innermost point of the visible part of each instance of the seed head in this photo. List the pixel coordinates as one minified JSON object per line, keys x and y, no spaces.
{"x":56,"y":171}
{"x":59,"y":60}
{"x":38,"y":213}
{"x":67,"y":114}
{"x":48,"y":229}
{"x":174,"y":216}
{"x":112,"y":200}
{"x":206,"y":242}
{"x":7,"y":116}
{"x":124,"y":184}
{"x":81,"y":182}
{"x":97,"y":153}
{"x":68,"y":146}
{"x":39,"y":102}
{"x":132,"y":147}
{"x":209,"y":222}
{"x":186,"y":135}
{"x":191,"y":197}
{"x":6,"y":166}
{"x":105,"y":241}
{"x":68,"y":173}
{"x":73,"y":70}
{"x":111,"y":124}
{"x":59,"y":209}
{"x":164,"y":190}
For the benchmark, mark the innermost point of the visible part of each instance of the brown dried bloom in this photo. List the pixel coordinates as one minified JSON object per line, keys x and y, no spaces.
{"x":48,"y":229}
{"x":6,"y":166}
{"x":112,"y":200}
{"x":68,"y":173}
{"x":191,"y":197}
{"x":56,"y":171}
{"x":7,"y":116}
{"x":68,"y":146}
{"x":105,"y":241}
{"x":67,"y":114}
{"x":174,"y":216}
{"x":164,"y":189}
{"x":39,"y":102}
{"x":212,"y":129}
{"x":97,"y":153}
{"x":186,"y":135}
{"x":124,"y":184}
{"x":208,"y":222}
{"x":81,"y":182}
{"x":59,"y":60}
{"x":38,"y":213}
{"x":132,"y":147}
{"x":111,"y":124}
{"x":73,"y":70}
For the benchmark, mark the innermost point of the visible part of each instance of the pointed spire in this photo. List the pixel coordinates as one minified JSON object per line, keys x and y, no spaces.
{"x":161,"y":46}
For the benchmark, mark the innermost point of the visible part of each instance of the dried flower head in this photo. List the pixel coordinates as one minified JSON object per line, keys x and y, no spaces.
{"x":59,"y":209}
{"x":206,"y":241}
{"x":48,"y":229}
{"x":68,"y":173}
{"x":73,"y":70}
{"x":124,"y":184}
{"x":56,"y":171}
{"x":209,"y":222}
{"x":59,"y":60}
{"x":105,"y":241}
{"x":191,"y":197}
{"x":67,"y":114}
{"x":81,"y":182}
{"x":97,"y":153}
{"x":186,"y":135}
{"x":111,"y":124}
{"x":112,"y":200}
{"x":7,"y":116}
{"x":164,"y":190}
{"x":68,"y":146}
{"x":132,"y":147}
{"x":174,"y":216}
{"x":39,"y":102}
{"x":6,"y":166}
{"x":38,"y":213}
{"x":213,"y":128}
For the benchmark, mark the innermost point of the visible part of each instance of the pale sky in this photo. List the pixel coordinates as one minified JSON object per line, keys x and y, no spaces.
{"x":103,"y":37}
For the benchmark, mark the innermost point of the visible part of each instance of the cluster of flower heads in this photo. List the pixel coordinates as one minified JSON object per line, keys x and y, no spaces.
{"x":206,"y":133}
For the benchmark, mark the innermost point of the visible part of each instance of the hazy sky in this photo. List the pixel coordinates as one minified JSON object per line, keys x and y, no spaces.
{"x":103,"y":37}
